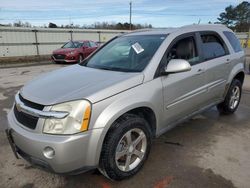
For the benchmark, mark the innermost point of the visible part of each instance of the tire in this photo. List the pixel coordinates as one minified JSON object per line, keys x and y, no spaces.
{"x":232,"y":99}
{"x":81,"y":58}
{"x":118,"y":160}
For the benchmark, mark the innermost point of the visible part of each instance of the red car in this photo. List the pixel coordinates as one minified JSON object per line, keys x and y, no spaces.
{"x":74,"y":51}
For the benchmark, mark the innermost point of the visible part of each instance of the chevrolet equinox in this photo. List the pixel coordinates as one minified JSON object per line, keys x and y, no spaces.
{"x":104,"y":112}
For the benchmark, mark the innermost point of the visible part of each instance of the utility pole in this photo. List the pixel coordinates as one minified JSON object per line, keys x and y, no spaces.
{"x":130,"y":15}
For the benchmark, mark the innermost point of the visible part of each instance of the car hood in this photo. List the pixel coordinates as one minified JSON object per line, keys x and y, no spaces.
{"x":63,"y":50}
{"x":78,"y":82}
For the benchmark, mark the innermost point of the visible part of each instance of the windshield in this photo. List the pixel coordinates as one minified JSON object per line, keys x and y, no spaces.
{"x":127,"y":53}
{"x":72,"y":44}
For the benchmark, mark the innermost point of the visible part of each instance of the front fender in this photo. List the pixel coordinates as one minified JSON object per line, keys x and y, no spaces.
{"x":118,"y":105}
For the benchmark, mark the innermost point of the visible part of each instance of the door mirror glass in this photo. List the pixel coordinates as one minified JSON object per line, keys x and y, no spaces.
{"x":177,"y":65}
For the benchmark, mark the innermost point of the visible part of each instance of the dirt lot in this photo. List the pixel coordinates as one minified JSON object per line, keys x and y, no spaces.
{"x":208,"y":151}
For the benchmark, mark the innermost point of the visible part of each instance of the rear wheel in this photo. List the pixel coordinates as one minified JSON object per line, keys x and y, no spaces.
{"x":232,"y":100}
{"x":125,"y":148}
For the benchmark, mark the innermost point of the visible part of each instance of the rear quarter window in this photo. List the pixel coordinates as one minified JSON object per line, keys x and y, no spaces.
{"x":235,"y":43}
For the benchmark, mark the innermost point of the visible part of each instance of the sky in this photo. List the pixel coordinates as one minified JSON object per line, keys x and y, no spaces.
{"x":159,"y":13}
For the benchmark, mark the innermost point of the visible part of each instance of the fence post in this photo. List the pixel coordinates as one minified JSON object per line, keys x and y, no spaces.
{"x":36,"y":42}
{"x":71,"y":35}
{"x":99,"y":36}
{"x":248,"y":39}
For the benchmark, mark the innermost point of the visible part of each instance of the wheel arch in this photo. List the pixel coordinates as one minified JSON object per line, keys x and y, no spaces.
{"x":240,"y":76}
{"x":148,"y":114}
{"x":144,"y":111}
{"x":236,"y":72}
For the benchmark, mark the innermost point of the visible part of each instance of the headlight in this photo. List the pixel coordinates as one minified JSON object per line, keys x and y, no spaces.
{"x":71,"y":53}
{"x":77,"y":120}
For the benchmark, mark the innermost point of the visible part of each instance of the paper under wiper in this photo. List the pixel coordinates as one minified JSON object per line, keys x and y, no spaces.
{"x":137,"y":48}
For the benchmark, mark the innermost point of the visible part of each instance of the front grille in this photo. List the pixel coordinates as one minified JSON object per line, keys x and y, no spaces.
{"x":59,"y":56}
{"x":26,"y":119}
{"x":31,"y":104}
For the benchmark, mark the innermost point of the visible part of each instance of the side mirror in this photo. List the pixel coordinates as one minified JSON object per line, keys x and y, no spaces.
{"x":176,"y":66}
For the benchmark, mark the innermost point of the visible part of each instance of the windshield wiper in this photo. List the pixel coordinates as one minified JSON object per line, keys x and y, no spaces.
{"x":116,"y":69}
{"x":103,"y":68}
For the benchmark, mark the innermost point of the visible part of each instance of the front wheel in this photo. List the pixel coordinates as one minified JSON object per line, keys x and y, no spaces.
{"x":80,"y":58}
{"x":232,"y":99}
{"x":125,"y":148}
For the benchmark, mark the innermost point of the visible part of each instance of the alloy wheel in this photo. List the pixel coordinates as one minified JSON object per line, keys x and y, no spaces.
{"x":235,"y":97}
{"x":131,"y":150}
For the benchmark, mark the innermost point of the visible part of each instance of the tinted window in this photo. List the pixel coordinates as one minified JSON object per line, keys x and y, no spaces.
{"x":212,"y":46}
{"x":233,"y":41}
{"x":184,"y":49}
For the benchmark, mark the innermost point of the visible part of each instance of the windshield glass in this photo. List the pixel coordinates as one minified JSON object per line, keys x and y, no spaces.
{"x":72,"y":44}
{"x":127,"y":53}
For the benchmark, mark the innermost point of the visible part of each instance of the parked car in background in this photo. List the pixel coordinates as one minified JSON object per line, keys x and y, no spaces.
{"x":133,"y":89}
{"x":74,"y":51}
{"x":100,"y":43}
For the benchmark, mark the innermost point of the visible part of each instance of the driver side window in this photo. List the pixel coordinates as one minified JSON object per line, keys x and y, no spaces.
{"x":184,"y":49}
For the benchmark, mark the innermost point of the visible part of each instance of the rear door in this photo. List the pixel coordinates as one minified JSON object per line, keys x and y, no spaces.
{"x":216,"y":56}
{"x":183,"y":92}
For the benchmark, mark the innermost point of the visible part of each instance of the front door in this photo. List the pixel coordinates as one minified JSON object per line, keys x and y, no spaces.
{"x":183,"y":92}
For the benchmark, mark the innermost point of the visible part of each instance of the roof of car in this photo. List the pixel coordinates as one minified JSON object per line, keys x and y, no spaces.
{"x":188,"y":28}
{"x":81,"y":40}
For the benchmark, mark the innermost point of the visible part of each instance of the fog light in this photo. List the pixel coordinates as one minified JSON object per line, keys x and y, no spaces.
{"x":49,"y":152}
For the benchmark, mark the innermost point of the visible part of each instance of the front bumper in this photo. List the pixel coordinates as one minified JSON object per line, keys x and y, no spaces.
{"x":73,"y":153}
{"x":66,"y":59}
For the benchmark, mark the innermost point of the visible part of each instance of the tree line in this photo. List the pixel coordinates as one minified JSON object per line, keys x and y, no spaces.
{"x":235,"y":17}
{"x":96,"y":25}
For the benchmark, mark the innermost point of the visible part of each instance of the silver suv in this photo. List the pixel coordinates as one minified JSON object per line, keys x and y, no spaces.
{"x":104,"y":112}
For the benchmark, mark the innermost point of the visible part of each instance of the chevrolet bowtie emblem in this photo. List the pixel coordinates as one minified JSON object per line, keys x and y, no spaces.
{"x":18,"y":106}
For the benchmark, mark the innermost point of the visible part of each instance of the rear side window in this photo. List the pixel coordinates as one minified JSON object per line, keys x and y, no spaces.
{"x":212,"y":46}
{"x":233,"y":41}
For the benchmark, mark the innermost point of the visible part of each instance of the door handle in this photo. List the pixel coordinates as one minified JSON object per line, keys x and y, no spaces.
{"x":228,"y":61}
{"x":200,"y":71}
